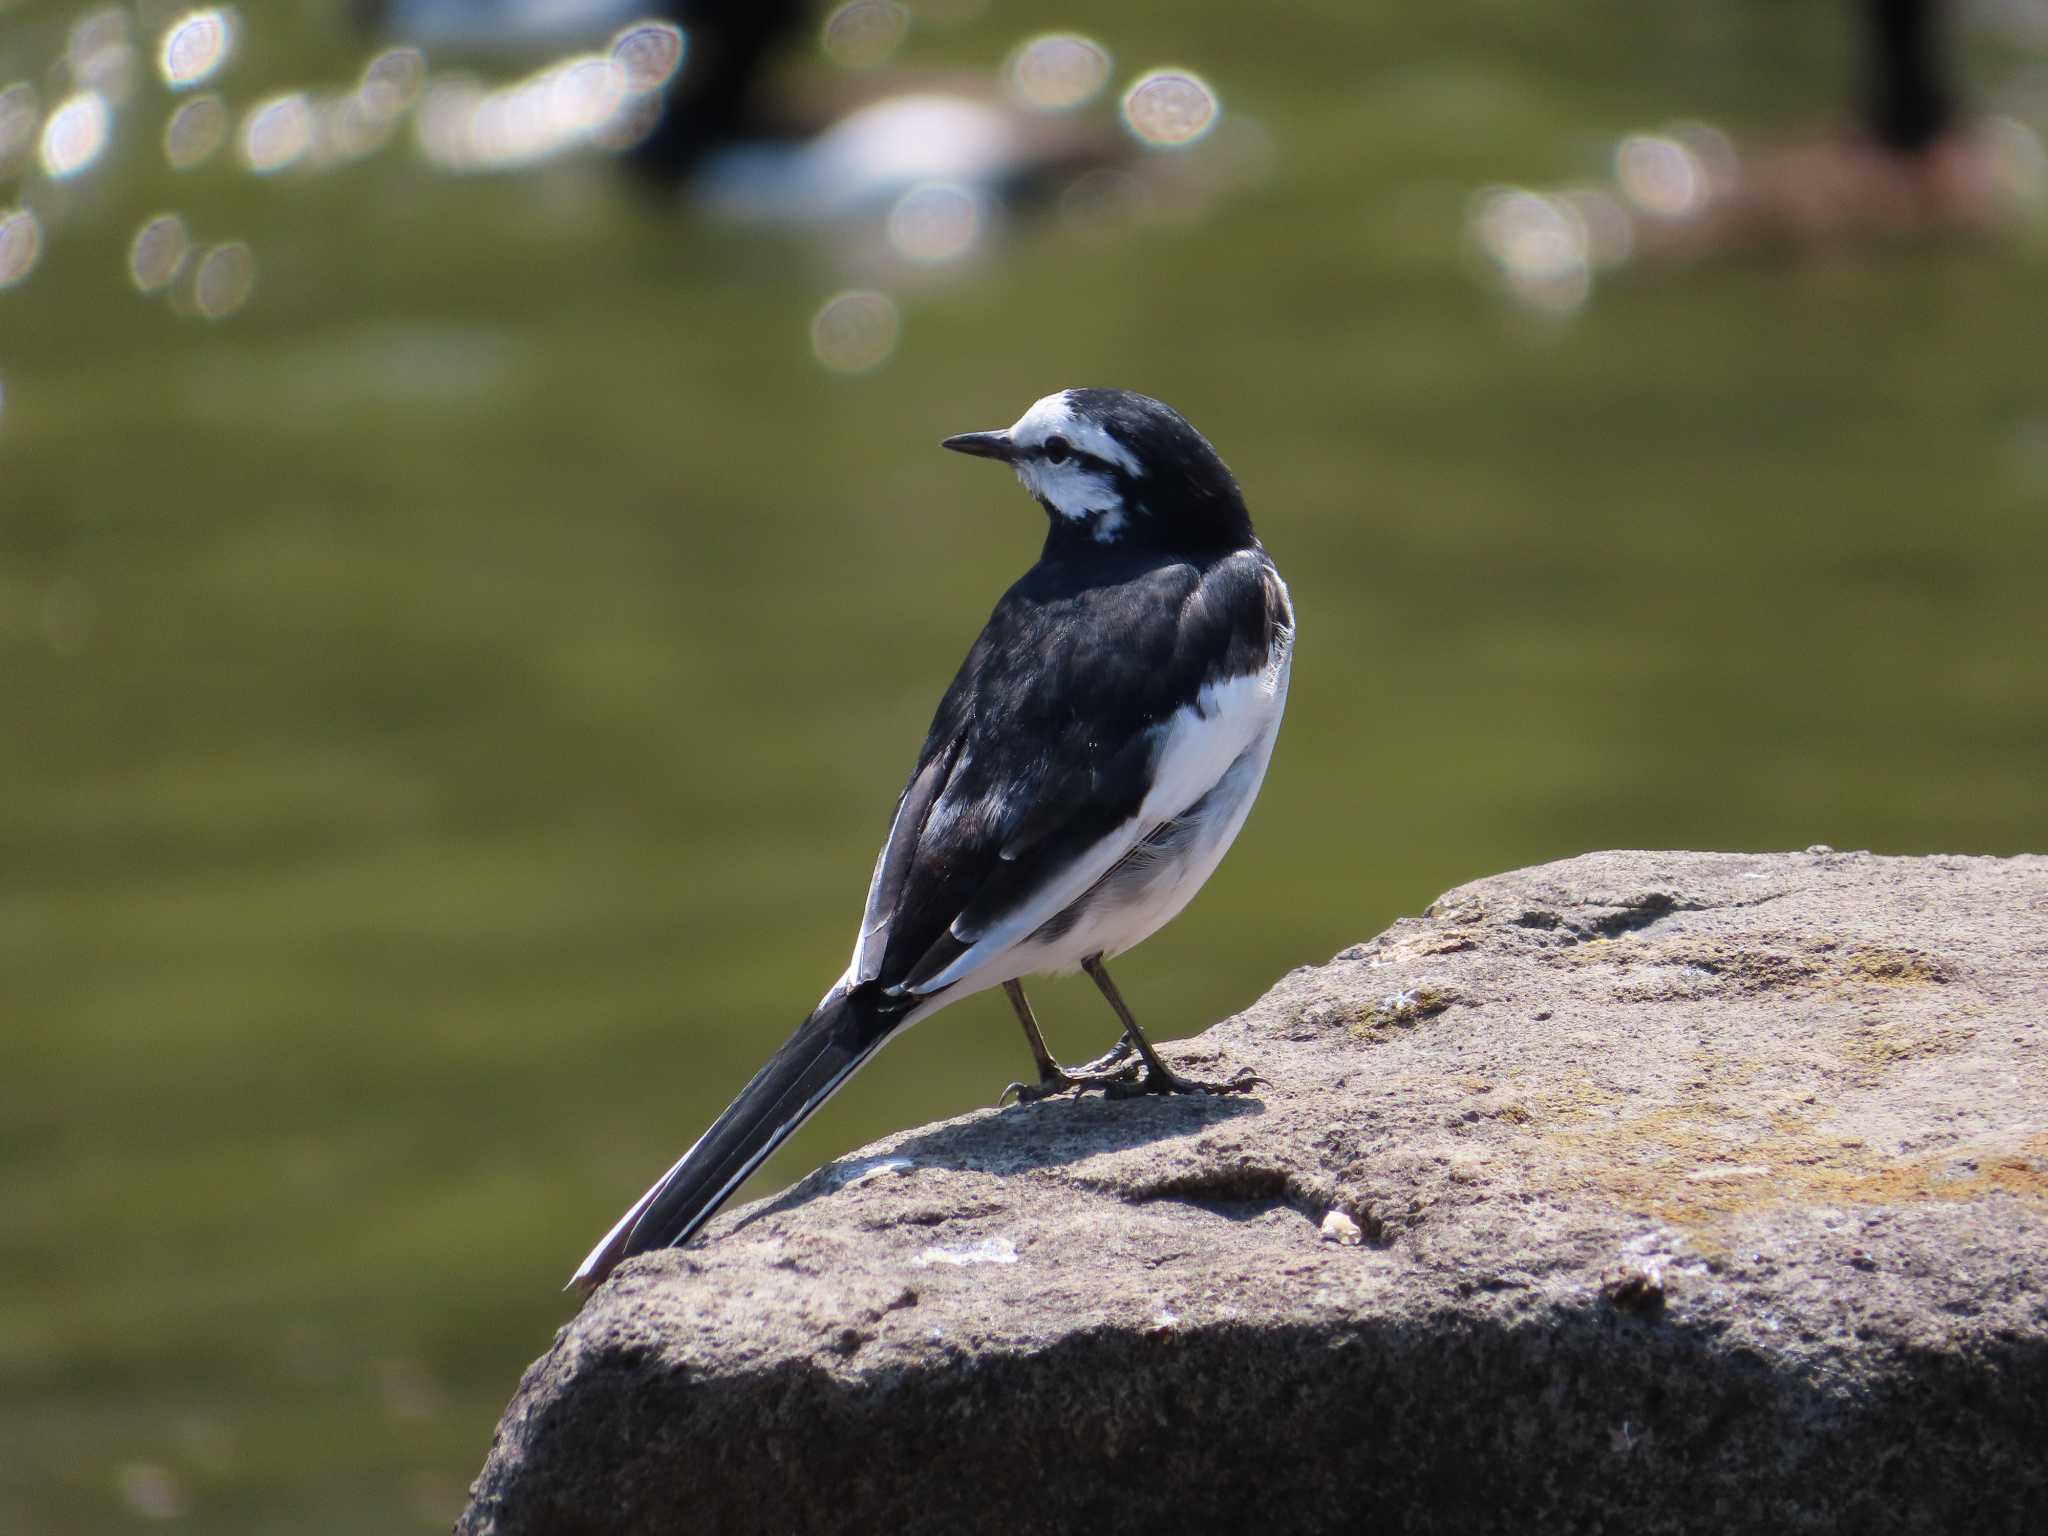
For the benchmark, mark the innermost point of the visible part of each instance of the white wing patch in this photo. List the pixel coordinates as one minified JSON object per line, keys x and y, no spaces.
{"x":866,"y":963}
{"x":1203,"y":741}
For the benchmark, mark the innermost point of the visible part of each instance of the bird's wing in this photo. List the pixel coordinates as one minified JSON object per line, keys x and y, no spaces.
{"x":1083,"y":720}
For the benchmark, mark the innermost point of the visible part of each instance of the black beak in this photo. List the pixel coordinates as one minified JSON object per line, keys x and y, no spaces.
{"x":983,"y":445}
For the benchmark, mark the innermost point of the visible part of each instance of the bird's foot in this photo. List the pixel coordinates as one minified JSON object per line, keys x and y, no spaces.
{"x":1117,"y":1060}
{"x":1111,"y":1078}
{"x":1163,"y":1079}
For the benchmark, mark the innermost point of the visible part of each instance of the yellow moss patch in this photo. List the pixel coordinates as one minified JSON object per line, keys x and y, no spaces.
{"x":1895,"y":967}
{"x":1680,"y":1165}
{"x":1402,"y":1010}
{"x":1882,"y":1044}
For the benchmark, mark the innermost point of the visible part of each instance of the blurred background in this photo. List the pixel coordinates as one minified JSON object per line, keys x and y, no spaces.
{"x":475,"y":568}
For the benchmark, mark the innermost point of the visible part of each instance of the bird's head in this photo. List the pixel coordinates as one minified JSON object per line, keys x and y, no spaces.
{"x":1117,"y":469}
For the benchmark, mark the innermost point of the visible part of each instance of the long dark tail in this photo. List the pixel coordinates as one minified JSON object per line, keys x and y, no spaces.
{"x":827,"y":1049}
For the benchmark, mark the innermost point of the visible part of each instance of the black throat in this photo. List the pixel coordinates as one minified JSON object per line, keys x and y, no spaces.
{"x":1184,"y":511}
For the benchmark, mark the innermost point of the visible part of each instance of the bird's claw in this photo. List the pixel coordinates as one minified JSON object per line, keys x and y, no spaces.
{"x":1170,"y":1081}
{"x":1059,"y":1081}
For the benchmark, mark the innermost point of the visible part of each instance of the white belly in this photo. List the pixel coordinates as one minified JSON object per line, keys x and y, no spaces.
{"x":1148,"y":888}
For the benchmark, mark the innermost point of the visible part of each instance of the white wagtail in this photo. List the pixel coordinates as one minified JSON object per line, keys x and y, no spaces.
{"x":1084,"y":775}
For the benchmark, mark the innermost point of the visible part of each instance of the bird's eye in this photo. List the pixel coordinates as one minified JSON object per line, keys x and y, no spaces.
{"x":1058,"y":450}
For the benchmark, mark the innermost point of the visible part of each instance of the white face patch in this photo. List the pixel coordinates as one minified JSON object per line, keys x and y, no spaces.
{"x":1076,"y":491}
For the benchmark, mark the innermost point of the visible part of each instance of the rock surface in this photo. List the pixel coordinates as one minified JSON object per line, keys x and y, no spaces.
{"x":1641,"y":1192}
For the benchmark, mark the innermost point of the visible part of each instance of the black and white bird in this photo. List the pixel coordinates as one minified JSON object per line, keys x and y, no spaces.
{"x":1085,"y":773}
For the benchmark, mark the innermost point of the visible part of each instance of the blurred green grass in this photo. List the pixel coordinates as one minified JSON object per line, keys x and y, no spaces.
{"x":453,"y":704}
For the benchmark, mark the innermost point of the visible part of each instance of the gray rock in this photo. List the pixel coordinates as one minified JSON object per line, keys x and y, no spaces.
{"x":1671,"y":1191}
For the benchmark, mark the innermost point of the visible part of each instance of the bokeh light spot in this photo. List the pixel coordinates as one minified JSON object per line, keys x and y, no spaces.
{"x":855,"y":331}
{"x":649,"y":54}
{"x":194,"y":48}
{"x":864,"y":33}
{"x":584,"y":93}
{"x":392,"y":81}
{"x":1537,"y":245}
{"x":347,"y":129}
{"x":1659,"y":175}
{"x":463,"y":126}
{"x":75,"y":135}
{"x":1167,"y":108}
{"x":157,"y":253}
{"x":195,"y":132}
{"x":446,"y":119}
{"x":936,"y":222}
{"x":21,"y":243}
{"x":223,"y":280}
{"x":277,"y":133}
{"x":1056,"y":72}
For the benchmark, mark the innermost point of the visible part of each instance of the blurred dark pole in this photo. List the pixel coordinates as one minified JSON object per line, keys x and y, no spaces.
{"x":1908,"y":105}
{"x":716,"y":99}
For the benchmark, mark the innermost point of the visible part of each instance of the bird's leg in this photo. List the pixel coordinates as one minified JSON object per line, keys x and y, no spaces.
{"x":1052,"y":1077}
{"x":1159,"y":1077}
{"x":1048,"y":1070}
